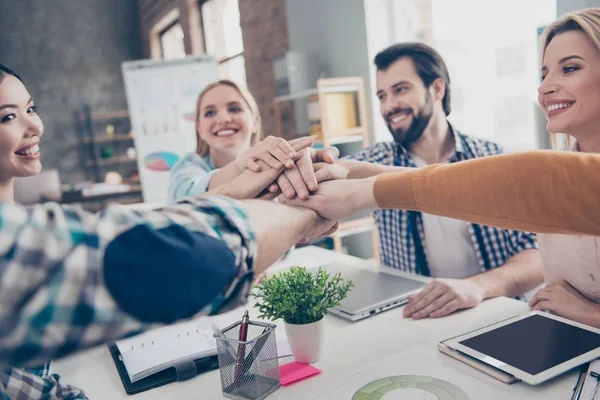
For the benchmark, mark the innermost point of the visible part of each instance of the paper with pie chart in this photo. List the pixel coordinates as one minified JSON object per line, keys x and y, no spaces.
{"x":420,"y":373}
{"x":160,"y":161}
{"x":440,"y":389}
{"x":161,"y":99}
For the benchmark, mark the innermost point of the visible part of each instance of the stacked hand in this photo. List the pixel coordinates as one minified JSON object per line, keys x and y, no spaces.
{"x":298,"y":168}
{"x":313,"y":167}
{"x":276,"y":152}
{"x":292,"y":168}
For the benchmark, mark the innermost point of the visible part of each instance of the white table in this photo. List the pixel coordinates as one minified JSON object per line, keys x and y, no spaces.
{"x":347,"y":346}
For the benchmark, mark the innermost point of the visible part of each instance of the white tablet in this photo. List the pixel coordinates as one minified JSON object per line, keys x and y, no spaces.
{"x":533,"y":347}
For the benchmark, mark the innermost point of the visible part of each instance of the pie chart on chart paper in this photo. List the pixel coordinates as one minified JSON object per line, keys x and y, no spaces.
{"x":410,"y":387}
{"x":160,"y":161}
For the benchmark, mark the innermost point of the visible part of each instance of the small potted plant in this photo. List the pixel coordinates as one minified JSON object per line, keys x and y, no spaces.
{"x":301,"y":298}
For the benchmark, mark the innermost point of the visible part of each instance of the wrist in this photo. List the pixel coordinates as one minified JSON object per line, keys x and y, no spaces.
{"x":225,"y":189}
{"x":365,"y":198}
{"x":482,"y":289}
{"x":240,"y":163}
{"x":307,"y":219}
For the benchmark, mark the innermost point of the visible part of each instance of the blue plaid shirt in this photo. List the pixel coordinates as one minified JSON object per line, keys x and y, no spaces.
{"x":71,"y":280}
{"x":401,"y":234}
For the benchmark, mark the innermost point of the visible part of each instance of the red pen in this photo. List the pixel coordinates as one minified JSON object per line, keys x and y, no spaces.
{"x":241,"y":349}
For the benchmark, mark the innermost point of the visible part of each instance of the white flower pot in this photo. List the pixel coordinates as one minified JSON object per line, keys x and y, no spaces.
{"x":306,"y":340}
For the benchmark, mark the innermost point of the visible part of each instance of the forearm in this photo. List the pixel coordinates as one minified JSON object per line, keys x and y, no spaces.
{"x":517,"y":276}
{"x":277,"y":228}
{"x":363,"y":169}
{"x":225,"y":174}
{"x":542,"y":191}
{"x":247,"y":185}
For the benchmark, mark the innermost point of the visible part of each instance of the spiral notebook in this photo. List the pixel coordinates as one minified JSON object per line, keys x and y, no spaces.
{"x":153,"y":351}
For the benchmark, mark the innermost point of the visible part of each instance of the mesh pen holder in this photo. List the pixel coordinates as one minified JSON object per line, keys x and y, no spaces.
{"x":249,"y":369}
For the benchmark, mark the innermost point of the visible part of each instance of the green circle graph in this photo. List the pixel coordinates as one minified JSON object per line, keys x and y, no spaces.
{"x":441,"y":389}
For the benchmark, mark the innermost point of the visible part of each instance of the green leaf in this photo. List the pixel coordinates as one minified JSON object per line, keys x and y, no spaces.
{"x":298,"y":296}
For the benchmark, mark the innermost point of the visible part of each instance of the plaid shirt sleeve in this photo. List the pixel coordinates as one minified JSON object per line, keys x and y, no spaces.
{"x":54,"y":299}
{"x":518,"y":241}
{"x":190,"y":177}
{"x":20,"y":384}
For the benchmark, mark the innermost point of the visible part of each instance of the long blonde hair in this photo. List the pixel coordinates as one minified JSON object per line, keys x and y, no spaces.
{"x":202,"y":147}
{"x":586,"y":21}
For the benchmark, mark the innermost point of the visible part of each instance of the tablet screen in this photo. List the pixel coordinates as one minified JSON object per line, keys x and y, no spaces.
{"x":534,"y":344}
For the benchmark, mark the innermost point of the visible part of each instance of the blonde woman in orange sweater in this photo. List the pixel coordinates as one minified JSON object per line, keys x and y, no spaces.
{"x":545,"y":192}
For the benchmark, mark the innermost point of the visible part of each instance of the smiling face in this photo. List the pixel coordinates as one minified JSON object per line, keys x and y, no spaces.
{"x":225,"y":120}
{"x":406,"y":105}
{"x":570,"y":90}
{"x":20,"y":130}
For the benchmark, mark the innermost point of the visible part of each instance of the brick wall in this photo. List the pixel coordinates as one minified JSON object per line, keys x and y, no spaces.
{"x":153,"y":11}
{"x":265,"y":36}
{"x":264,"y":31}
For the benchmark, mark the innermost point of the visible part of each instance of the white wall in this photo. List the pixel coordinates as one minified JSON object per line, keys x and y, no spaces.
{"x":565,"y":6}
{"x":493,"y":69}
{"x":387,"y":22}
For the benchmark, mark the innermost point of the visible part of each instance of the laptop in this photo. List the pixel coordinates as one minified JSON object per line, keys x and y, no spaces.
{"x":374,"y":291}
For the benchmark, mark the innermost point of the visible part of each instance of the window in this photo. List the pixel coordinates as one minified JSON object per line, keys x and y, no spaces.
{"x":223,"y":38}
{"x":171,"y":42}
{"x":493,"y":60}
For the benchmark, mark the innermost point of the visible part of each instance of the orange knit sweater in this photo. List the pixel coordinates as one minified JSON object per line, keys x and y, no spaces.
{"x":541,"y":191}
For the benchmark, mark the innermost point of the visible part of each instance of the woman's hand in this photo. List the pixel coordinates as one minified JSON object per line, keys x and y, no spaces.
{"x":309,"y":170}
{"x":275,"y":152}
{"x":249,"y":184}
{"x":565,"y":301}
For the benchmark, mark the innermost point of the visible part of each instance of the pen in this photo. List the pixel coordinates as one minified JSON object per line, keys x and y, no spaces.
{"x":225,"y":343}
{"x":241,"y":349}
{"x":579,"y":384}
{"x":595,"y":375}
{"x":254,"y":352}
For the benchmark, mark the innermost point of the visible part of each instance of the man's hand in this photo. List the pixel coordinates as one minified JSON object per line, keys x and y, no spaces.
{"x":338,"y":199}
{"x":442,"y":297}
{"x":304,"y":177}
{"x":318,"y":226}
{"x":564,"y":300}
{"x":277,"y":228}
{"x":329,"y":172}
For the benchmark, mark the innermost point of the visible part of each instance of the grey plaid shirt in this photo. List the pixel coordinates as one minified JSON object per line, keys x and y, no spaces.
{"x":71,"y":280}
{"x":401,"y":233}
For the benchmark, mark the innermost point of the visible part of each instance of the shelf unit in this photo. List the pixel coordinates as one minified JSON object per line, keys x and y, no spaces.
{"x":111,"y":161}
{"x":97,"y":140}
{"x":332,"y":135}
{"x":343,"y":124}
{"x":107,"y":139}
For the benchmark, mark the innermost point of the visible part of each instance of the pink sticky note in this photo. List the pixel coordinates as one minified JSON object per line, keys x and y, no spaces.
{"x":295,"y":371}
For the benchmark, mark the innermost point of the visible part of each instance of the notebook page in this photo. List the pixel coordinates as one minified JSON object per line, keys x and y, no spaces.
{"x":161,"y":348}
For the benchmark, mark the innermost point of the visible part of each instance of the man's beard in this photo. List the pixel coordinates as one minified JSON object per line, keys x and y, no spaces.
{"x":420,"y":121}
